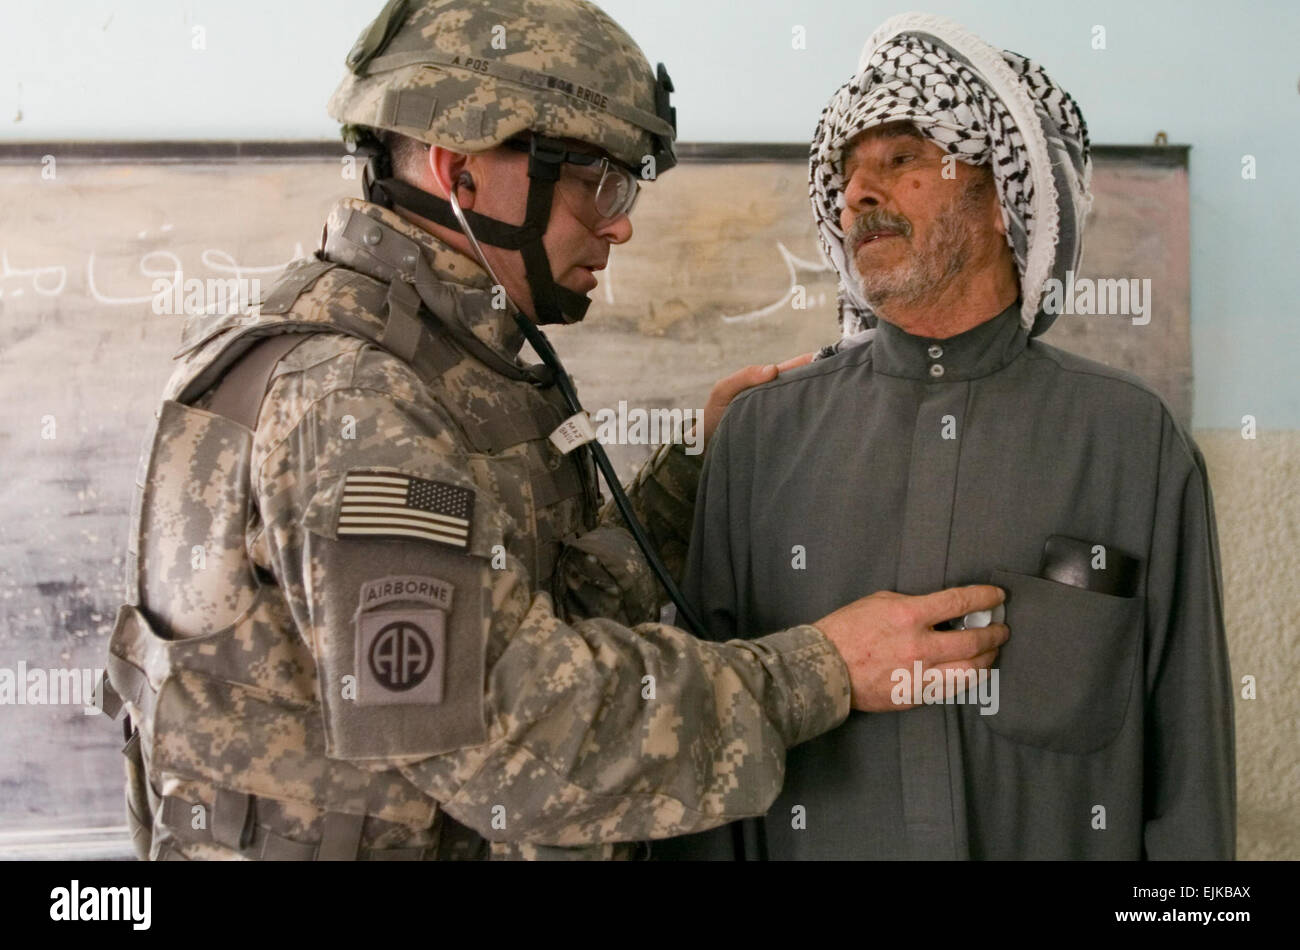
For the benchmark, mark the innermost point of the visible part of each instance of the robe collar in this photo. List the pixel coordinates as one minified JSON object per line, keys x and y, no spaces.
{"x":981,"y":350}
{"x":463,"y":276}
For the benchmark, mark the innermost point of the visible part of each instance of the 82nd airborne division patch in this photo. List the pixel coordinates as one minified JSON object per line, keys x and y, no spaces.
{"x":401,"y":640}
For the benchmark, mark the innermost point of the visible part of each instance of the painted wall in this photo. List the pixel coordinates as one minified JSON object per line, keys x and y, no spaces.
{"x":1220,"y":77}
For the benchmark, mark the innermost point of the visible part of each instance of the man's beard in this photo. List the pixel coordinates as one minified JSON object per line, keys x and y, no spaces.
{"x":949,"y":246}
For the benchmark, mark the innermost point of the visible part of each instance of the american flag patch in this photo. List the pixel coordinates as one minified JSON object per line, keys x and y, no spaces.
{"x":382,"y":503}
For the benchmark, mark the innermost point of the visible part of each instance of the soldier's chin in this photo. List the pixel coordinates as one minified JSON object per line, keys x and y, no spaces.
{"x":581,"y":280}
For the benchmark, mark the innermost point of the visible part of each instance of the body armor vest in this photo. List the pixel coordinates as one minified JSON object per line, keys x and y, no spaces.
{"x":225,"y":644}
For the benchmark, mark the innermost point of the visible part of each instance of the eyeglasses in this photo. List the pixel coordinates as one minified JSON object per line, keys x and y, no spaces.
{"x":616,"y":190}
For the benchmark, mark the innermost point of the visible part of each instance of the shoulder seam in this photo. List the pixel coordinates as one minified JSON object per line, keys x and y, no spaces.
{"x":1141,"y":387}
{"x":1117,"y":377}
{"x":779,"y":382}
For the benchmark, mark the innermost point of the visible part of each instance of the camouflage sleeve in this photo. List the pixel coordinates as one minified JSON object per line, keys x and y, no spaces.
{"x":437,"y":657}
{"x":663,"y":498}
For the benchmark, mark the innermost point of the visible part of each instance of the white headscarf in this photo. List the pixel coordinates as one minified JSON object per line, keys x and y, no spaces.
{"x":983,"y":105}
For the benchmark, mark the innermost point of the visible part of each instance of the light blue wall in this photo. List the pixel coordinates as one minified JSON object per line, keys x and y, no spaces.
{"x":1221,"y":77}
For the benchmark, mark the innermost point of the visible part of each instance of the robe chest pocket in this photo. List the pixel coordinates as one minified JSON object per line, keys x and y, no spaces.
{"x":1066,"y":676}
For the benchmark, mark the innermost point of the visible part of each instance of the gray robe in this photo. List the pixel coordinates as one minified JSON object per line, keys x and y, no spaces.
{"x":1114,"y":736}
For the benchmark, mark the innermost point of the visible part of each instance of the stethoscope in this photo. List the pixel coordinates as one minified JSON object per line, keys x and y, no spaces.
{"x":537,"y":339}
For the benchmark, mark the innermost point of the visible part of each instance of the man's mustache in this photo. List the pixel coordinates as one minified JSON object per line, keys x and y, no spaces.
{"x":877,"y":220}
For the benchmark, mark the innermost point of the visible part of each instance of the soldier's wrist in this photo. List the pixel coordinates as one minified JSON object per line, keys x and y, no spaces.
{"x":814,"y":677}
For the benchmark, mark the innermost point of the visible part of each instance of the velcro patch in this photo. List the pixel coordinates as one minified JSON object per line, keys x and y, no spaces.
{"x":386,"y":503}
{"x":401,"y":651}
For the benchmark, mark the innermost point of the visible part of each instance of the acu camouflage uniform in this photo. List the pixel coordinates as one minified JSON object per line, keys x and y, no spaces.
{"x":552,"y":716}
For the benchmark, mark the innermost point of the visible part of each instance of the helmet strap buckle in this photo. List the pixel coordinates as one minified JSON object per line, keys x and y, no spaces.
{"x":545,"y":158}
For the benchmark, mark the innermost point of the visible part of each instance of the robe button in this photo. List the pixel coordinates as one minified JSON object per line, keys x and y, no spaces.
{"x":936,"y":370}
{"x":935,"y":352}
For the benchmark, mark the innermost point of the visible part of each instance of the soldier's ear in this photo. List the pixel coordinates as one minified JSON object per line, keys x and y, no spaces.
{"x":450,"y":170}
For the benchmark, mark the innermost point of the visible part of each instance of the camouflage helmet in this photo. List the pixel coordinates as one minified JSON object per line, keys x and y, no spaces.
{"x":470,"y":74}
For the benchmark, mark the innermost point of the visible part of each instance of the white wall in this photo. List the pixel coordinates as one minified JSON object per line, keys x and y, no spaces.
{"x":1219,"y":76}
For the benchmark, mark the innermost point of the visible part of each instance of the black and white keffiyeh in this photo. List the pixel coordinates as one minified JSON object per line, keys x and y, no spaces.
{"x":984,"y":106}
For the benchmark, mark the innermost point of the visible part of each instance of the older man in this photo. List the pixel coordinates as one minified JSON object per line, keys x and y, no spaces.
{"x":941,"y":443}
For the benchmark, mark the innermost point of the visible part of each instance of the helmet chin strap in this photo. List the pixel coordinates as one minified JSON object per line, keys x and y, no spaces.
{"x":473,"y":241}
{"x":551,"y":302}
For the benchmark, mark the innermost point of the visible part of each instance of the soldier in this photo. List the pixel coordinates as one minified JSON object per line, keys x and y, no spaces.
{"x":414,"y":633}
